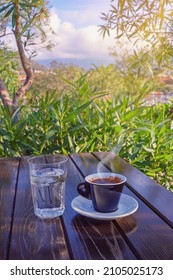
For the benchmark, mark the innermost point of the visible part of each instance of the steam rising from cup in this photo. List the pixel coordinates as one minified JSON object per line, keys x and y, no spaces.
{"x":111,"y":155}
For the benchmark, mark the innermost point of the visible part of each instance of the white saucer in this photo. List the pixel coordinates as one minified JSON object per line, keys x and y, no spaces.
{"x":127,"y":206}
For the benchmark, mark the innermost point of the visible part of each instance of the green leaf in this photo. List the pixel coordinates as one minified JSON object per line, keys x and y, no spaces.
{"x":76,"y":128}
{"x":9,"y":12}
{"x":14,"y":18}
{"x":70,"y":141}
{"x":141,"y":6}
{"x":41,"y":30}
{"x":24,"y":29}
{"x":74,"y":113}
{"x":148,"y":149}
{"x":130,"y":115}
{"x":5,"y":7}
{"x":35,"y":1}
{"x":3,"y":132}
{"x":26,"y":5}
{"x":15,"y":116}
{"x":27,"y":145}
{"x":50,"y":134}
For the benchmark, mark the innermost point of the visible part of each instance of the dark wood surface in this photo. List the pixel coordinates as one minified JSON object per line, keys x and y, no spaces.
{"x":146,"y":234}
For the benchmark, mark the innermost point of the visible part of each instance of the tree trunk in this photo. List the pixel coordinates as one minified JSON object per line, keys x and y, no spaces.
{"x":25,"y":62}
{"x":4,"y":95}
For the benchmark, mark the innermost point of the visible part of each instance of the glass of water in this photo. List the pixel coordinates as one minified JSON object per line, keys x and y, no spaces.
{"x":47,"y":178}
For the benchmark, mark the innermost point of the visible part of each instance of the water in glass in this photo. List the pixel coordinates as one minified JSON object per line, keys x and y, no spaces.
{"x":48,"y":187}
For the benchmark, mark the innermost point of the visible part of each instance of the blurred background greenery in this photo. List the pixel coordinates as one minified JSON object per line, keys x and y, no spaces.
{"x":71,"y":110}
{"x":125,"y":107}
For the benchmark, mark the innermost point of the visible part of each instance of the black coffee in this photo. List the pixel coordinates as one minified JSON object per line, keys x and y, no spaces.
{"x":106,"y":181}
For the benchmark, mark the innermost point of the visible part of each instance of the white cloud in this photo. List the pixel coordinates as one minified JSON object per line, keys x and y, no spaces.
{"x":76,"y":42}
{"x":81,"y":13}
{"x":73,"y":40}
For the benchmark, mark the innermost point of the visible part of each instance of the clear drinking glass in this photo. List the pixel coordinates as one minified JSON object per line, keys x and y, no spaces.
{"x":48,"y":177}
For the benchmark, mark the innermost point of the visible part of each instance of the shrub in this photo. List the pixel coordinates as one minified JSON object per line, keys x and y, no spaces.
{"x":49,"y":124}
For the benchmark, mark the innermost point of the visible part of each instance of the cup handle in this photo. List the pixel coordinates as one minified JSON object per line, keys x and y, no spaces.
{"x":84,"y":190}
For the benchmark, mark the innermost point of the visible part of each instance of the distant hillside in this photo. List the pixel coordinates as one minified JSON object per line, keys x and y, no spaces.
{"x":36,"y":66}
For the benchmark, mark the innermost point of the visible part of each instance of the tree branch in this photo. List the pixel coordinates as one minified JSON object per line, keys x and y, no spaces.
{"x":5,"y":34}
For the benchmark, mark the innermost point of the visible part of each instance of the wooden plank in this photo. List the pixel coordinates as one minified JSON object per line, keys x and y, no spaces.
{"x":8,"y":177}
{"x":155,"y":195}
{"x":152,"y":238}
{"x":91,"y":239}
{"x":33,"y":238}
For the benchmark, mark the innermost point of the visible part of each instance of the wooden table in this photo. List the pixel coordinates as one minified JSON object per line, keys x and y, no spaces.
{"x":146,"y":234}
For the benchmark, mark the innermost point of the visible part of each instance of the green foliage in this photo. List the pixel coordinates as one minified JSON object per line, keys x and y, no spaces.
{"x":150,"y":143}
{"x":55,"y":78}
{"x":146,"y":20}
{"x":102,"y":110}
{"x":67,"y":124}
{"x":8,"y":68}
{"x":131,"y":74}
{"x":136,"y":73}
{"x":12,"y":132}
{"x":27,"y":19}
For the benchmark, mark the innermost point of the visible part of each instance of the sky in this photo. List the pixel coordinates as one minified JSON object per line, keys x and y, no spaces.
{"x":76,"y":35}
